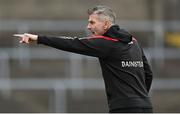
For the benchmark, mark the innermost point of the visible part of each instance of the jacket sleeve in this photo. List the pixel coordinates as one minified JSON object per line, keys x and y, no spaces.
{"x":148,"y":73}
{"x":91,"y":47}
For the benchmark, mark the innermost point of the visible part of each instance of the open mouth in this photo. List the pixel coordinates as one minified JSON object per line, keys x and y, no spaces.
{"x":92,"y":32}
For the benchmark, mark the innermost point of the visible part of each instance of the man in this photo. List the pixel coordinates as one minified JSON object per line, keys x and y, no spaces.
{"x":126,"y":72}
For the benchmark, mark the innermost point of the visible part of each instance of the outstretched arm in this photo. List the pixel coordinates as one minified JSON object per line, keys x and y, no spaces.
{"x":92,"y":46}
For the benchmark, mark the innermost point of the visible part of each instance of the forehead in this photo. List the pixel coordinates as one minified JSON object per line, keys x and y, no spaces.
{"x":93,"y":17}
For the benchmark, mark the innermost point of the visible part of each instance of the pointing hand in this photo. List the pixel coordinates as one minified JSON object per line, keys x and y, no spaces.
{"x":26,"y":38}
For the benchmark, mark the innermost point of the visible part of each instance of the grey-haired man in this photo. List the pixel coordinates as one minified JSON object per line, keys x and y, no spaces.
{"x":126,"y":72}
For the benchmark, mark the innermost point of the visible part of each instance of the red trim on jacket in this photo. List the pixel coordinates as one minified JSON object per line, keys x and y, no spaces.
{"x":103,"y":37}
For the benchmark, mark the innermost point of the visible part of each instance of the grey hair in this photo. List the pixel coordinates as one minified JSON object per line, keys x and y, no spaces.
{"x":104,"y":11}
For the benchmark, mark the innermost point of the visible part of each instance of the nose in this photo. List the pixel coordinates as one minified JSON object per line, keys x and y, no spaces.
{"x":88,"y":27}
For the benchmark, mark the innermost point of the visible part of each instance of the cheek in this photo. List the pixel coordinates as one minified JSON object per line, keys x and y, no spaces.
{"x":100,"y":28}
{"x":97,"y":26}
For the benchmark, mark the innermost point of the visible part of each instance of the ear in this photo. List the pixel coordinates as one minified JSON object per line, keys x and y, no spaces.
{"x":106,"y":25}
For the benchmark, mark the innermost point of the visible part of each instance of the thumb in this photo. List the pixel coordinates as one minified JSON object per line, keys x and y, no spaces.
{"x":31,"y":36}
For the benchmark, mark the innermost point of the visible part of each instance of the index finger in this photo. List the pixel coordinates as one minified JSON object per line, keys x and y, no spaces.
{"x":18,"y":35}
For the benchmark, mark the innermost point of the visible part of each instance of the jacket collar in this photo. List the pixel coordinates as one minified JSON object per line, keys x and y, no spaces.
{"x":117,"y":33}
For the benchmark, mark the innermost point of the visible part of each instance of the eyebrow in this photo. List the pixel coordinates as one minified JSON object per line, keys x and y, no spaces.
{"x":90,"y":21}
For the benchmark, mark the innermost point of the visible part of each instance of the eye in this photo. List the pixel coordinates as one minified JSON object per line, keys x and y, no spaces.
{"x":91,"y":22}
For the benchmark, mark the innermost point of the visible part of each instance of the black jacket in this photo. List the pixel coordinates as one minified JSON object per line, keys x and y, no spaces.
{"x":126,"y":72}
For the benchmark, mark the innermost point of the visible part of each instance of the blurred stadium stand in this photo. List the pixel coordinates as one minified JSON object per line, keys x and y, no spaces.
{"x":36,"y":78}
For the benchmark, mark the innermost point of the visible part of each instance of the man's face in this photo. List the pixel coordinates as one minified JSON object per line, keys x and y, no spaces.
{"x":96,"y":26}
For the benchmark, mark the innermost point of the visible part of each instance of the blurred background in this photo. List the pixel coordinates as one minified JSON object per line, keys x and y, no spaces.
{"x":37,"y":78}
